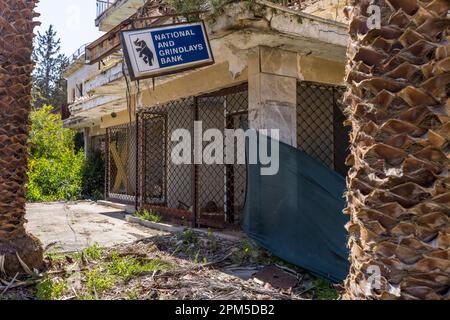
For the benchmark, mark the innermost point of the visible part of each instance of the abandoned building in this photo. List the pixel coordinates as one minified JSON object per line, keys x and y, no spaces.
{"x":277,"y":66}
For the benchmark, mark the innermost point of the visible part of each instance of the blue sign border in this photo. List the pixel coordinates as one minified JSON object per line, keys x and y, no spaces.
{"x":164,"y":71}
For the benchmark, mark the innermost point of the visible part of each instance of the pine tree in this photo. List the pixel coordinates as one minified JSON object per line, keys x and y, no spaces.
{"x":49,"y":85}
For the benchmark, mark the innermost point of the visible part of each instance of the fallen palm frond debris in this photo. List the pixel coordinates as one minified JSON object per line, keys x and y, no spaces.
{"x":188,"y":265}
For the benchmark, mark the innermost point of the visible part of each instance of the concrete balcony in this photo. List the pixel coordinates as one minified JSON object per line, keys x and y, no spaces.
{"x":104,"y":91}
{"x":112,"y":12}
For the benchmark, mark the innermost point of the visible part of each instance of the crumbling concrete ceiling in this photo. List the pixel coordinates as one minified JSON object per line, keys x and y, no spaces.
{"x":97,"y":106}
{"x":118,"y":12}
{"x":233,"y":48}
{"x":328,"y":9}
{"x":240,"y":29}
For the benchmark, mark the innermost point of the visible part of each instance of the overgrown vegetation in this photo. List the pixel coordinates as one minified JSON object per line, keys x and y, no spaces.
{"x":107,"y":269}
{"x":94,"y":252}
{"x":149,"y":215}
{"x":189,"y":237}
{"x":324,"y":290}
{"x":50,"y":290}
{"x":128,"y":267}
{"x":55,"y":167}
{"x":166,"y":267}
{"x":93,"y":179}
{"x":192,"y":9}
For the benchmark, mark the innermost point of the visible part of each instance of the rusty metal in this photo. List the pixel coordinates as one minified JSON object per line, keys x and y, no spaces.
{"x":110,"y":41}
{"x":164,"y":187}
{"x":137,"y":189}
{"x":195,"y":168}
{"x":201,"y":195}
{"x":144,"y":17}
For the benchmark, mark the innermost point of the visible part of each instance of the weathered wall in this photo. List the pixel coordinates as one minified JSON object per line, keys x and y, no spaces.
{"x":273,"y":76}
{"x":80,"y":75}
{"x":192,"y":83}
{"x":328,"y":9}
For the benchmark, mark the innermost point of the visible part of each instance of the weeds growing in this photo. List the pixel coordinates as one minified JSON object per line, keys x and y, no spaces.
{"x":149,"y":215}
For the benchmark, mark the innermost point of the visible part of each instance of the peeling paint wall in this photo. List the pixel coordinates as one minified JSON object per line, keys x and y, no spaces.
{"x":233,"y":35}
{"x":328,"y":9}
{"x":205,"y":80}
{"x":79,"y":76}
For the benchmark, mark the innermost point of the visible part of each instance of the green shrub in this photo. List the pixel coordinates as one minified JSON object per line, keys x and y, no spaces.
{"x":98,"y":281}
{"x":128,"y":267}
{"x":55,"y":167}
{"x":49,"y":289}
{"x":324,"y":290}
{"x":93,"y":252}
{"x":94,"y":176}
{"x":149,"y":215}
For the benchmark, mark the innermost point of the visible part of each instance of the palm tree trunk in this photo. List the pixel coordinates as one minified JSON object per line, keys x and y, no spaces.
{"x":399,"y":184}
{"x":16,"y":41}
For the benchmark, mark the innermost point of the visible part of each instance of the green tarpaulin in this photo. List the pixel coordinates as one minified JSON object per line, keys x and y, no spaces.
{"x":297,"y":214}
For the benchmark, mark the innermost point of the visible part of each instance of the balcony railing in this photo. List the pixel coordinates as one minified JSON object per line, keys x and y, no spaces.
{"x":103,"y":5}
{"x":77,"y":54}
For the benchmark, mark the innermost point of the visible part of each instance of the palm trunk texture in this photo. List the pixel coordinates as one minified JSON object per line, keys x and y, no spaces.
{"x":399,"y":186}
{"x":19,"y":252}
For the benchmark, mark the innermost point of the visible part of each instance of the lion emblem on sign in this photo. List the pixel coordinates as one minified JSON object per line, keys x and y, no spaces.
{"x":145,"y":53}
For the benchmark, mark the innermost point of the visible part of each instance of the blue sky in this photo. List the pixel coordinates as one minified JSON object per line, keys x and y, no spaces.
{"x":74,"y":21}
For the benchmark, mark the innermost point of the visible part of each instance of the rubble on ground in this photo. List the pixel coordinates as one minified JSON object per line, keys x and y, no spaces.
{"x":188,"y":265}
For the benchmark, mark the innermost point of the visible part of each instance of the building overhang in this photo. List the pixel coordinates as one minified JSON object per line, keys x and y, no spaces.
{"x":116,"y":12}
{"x":316,"y":41}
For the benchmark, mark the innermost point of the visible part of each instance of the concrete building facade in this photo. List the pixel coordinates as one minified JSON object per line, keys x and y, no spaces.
{"x":276,"y":67}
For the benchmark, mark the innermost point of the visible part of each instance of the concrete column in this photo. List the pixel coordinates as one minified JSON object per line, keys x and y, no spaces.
{"x":87,"y":143}
{"x":273,"y":91}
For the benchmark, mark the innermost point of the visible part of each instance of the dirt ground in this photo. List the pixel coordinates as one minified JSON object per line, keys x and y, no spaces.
{"x":154,"y":265}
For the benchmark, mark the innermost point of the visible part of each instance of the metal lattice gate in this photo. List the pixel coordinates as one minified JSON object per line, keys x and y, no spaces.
{"x":208,"y":194}
{"x":222,"y":188}
{"x":165,"y":187}
{"x":121,"y":146}
{"x":320,"y":129}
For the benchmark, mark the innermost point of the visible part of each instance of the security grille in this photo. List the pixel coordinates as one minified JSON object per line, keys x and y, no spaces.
{"x":121,"y":163}
{"x":165,"y":187}
{"x":209,"y":194}
{"x":320,"y":129}
{"x":222,"y":187}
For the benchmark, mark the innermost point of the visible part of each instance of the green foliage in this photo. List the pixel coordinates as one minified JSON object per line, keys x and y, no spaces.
{"x":133,"y":295}
{"x":49,"y":85}
{"x":94,"y":176}
{"x":215,"y":8}
{"x":188,"y":237}
{"x":189,"y":8}
{"x":49,"y":289}
{"x":55,"y":168}
{"x":128,"y":267}
{"x":98,"y":281}
{"x":93,"y":252}
{"x":324,"y":290}
{"x":149,"y":215}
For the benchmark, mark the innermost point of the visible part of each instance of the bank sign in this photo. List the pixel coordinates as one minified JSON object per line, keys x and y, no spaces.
{"x":152,"y":52}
